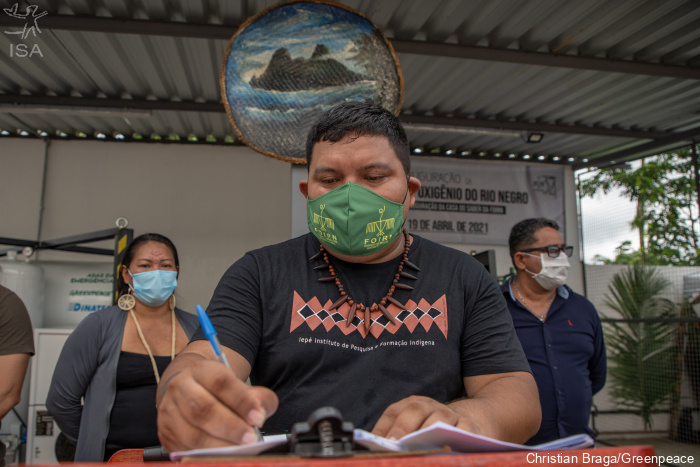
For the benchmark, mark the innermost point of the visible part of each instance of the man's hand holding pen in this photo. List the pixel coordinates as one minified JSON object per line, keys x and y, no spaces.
{"x":202,"y":404}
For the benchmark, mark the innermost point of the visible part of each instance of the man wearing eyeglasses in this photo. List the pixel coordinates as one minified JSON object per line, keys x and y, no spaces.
{"x":559,"y":329}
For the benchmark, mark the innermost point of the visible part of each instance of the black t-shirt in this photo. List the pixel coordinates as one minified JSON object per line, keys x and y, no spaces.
{"x":270,"y":307}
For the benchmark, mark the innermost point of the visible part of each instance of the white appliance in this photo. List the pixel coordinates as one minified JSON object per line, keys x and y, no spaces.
{"x":73,"y":290}
{"x":41,"y":429}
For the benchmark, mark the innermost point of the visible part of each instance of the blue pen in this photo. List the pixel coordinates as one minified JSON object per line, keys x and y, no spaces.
{"x":210,"y":332}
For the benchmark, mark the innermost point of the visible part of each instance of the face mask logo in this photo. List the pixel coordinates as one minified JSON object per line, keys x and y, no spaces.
{"x":381,"y":225}
{"x":319,"y":224}
{"x":554,"y":271}
{"x":345,"y":220}
{"x":323,"y":221}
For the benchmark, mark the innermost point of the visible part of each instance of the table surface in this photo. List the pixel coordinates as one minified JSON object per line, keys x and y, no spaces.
{"x":607,"y":457}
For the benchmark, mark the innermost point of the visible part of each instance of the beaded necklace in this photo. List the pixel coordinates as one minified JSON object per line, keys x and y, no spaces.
{"x":388,"y":298}
{"x":148,"y":349}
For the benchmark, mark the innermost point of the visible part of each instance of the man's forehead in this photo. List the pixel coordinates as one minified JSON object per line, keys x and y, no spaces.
{"x":356,"y":168}
{"x":348,"y":142}
{"x":549,"y":236}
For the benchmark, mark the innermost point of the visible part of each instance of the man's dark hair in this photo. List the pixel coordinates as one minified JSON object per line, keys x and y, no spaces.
{"x":357,"y":119}
{"x":522,"y":234}
{"x":130,"y":251}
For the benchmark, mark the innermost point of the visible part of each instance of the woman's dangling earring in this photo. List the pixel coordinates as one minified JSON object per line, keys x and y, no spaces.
{"x":171,"y":302}
{"x":127,"y":301}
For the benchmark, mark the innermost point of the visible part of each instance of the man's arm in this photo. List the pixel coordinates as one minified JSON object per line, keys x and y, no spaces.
{"x":14,"y":367}
{"x":201,"y":403}
{"x":502,"y":406}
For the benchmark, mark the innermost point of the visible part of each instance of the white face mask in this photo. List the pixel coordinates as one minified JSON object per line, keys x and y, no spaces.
{"x":554,"y":271}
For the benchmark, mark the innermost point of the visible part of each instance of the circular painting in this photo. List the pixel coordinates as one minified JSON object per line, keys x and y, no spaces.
{"x":290,"y":63}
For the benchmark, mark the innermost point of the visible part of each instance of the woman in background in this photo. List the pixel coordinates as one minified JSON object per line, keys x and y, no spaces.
{"x":114,"y":357}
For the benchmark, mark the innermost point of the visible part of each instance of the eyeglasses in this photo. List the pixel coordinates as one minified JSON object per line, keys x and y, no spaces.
{"x":552,"y":250}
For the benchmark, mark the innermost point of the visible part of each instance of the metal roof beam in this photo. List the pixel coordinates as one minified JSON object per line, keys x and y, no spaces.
{"x":527,"y":126}
{"x":643,"y":150}
{"x":19,"y":103}
{"x":545,"y":59}
{"x":33,"y":103}
{"x":216,"y":31}
{"x":132,"y":26}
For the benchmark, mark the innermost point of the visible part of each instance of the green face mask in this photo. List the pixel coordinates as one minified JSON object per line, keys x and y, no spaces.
{"x":354,"y":220}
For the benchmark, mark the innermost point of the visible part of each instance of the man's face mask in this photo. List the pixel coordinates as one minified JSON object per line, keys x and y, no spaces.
{"x":354,"y":220}
{"x":554,"y":271}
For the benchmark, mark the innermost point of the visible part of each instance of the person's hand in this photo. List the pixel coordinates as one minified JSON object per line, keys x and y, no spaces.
{"x":207,"y":405}
{"x":416,"y":412}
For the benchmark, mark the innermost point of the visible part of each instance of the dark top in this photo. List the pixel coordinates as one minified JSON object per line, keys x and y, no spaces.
{"x":16,"y":334}
{"x":136,"y":393}
{"x":270,"y":308}
{"x":567,"y":357}
{"x":87,"y":371}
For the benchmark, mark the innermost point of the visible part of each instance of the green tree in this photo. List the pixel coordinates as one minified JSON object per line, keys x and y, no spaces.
{"x":641,"y":351}
{"x":663,"y":187}
{"x":625,"y":254}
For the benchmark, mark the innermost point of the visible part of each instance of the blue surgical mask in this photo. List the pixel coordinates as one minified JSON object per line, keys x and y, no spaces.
{"x":153,"y":288}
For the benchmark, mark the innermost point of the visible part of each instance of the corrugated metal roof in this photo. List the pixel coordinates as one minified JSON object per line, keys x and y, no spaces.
{"x":604,"y":81}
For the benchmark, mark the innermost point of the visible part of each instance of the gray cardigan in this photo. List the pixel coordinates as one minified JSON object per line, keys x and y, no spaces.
{"x":87,"y":368}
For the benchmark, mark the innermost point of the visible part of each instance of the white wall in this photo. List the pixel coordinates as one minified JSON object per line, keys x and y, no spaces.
{"x":214,"y":202}
{"x":21,"y":171}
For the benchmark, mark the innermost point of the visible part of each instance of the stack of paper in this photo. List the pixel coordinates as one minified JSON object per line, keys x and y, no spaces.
{"x":434,"y":437}
{"x":441,"y":434}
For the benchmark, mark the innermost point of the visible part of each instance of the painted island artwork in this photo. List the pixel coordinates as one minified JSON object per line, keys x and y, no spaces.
{"x":287,"y":65}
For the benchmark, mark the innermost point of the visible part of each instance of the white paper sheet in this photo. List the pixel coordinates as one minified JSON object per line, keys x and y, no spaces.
{"x":252,"y":449}
{"x":434,"y":437}
{"x":441,"y":434}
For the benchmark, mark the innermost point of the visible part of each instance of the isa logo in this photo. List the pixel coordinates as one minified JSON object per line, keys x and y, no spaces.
{"x":26,"y":26}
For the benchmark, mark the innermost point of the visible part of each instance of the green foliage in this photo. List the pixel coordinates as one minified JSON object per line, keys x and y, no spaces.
{"x":625,"y":254}
{"x":641,"y":354}
{"x":664,"y":189}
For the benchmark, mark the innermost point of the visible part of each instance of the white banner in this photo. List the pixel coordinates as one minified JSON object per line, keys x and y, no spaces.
{"x":479,"y":202}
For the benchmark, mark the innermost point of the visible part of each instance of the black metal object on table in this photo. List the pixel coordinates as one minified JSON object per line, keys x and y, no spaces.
{"x":324,"y":434}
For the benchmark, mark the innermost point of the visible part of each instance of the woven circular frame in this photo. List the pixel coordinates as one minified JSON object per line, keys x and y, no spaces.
{"x":320,"y":54}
